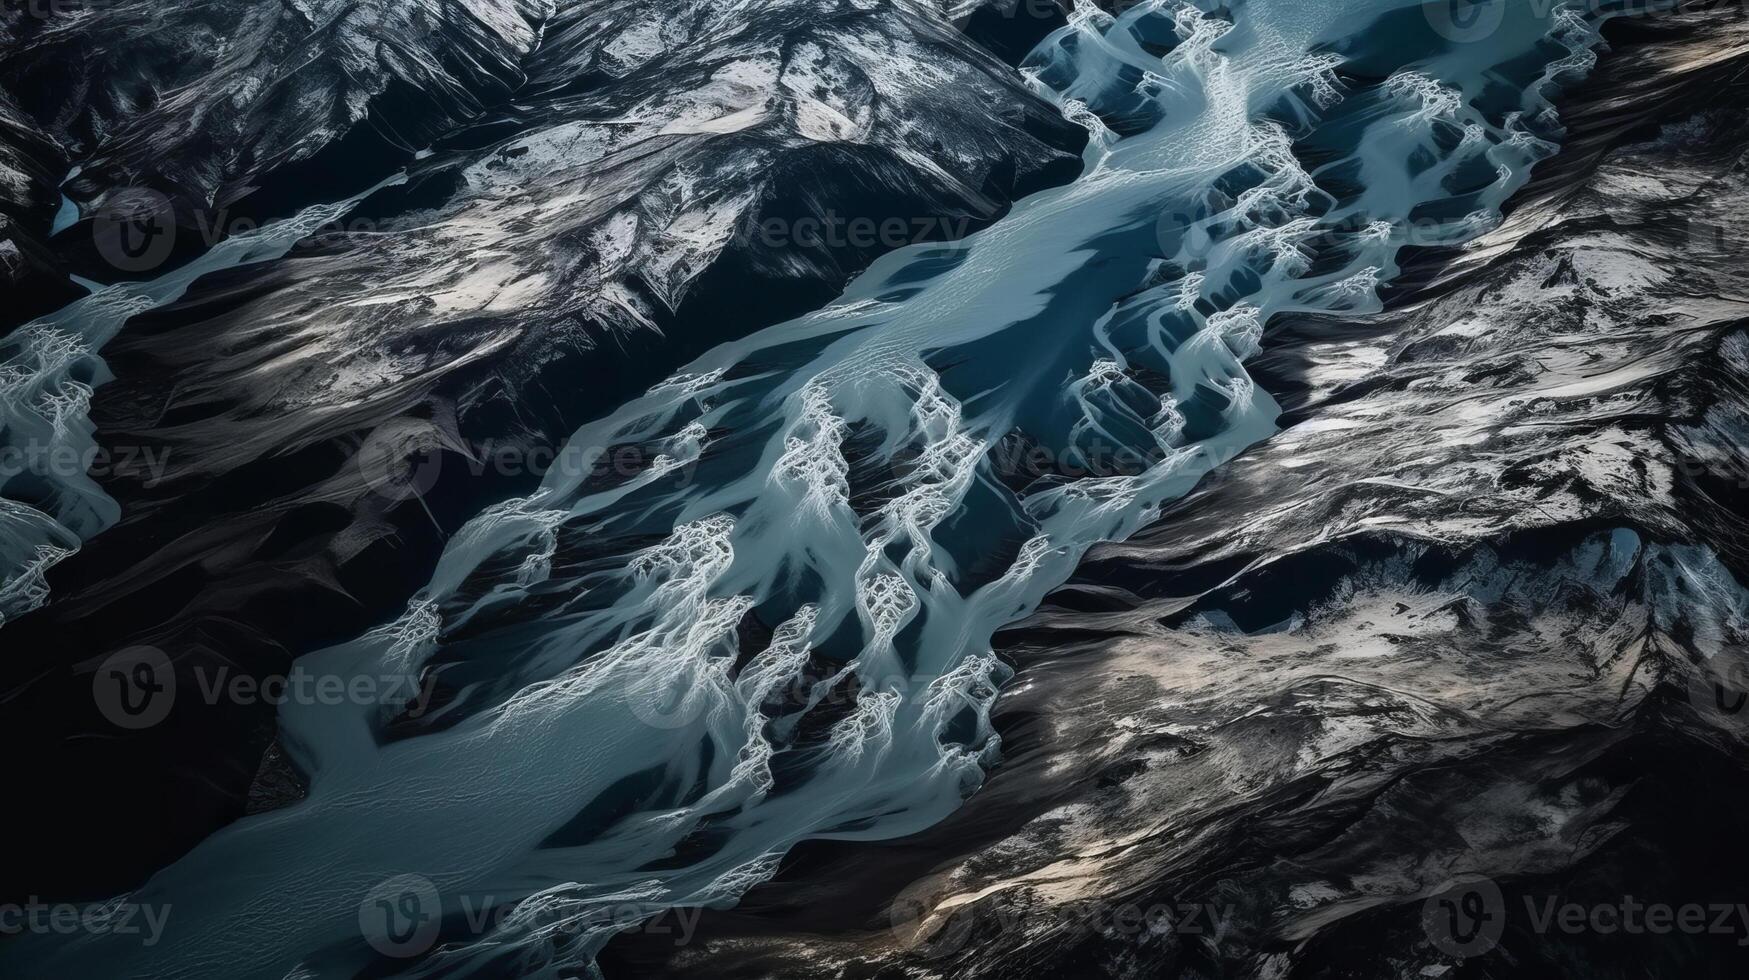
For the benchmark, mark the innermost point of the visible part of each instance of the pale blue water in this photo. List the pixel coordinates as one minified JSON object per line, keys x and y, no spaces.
{"x":594,"y":626}
{"x":69,"y":214}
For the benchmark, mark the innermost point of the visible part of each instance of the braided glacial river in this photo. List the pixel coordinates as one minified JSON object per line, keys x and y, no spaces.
{"x":781,"y":630}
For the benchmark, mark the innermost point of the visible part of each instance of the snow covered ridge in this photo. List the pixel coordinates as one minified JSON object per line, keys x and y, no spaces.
{"x":572,"y":172}
{"x":587,"y":163}
{"x":207,"y":99}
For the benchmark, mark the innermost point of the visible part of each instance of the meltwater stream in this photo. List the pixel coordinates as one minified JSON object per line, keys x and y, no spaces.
{"x":842,"y":487}
{"x":50,"y":368}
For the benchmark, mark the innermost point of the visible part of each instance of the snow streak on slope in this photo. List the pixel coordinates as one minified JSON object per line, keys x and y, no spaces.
{"x":780,"y":630}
